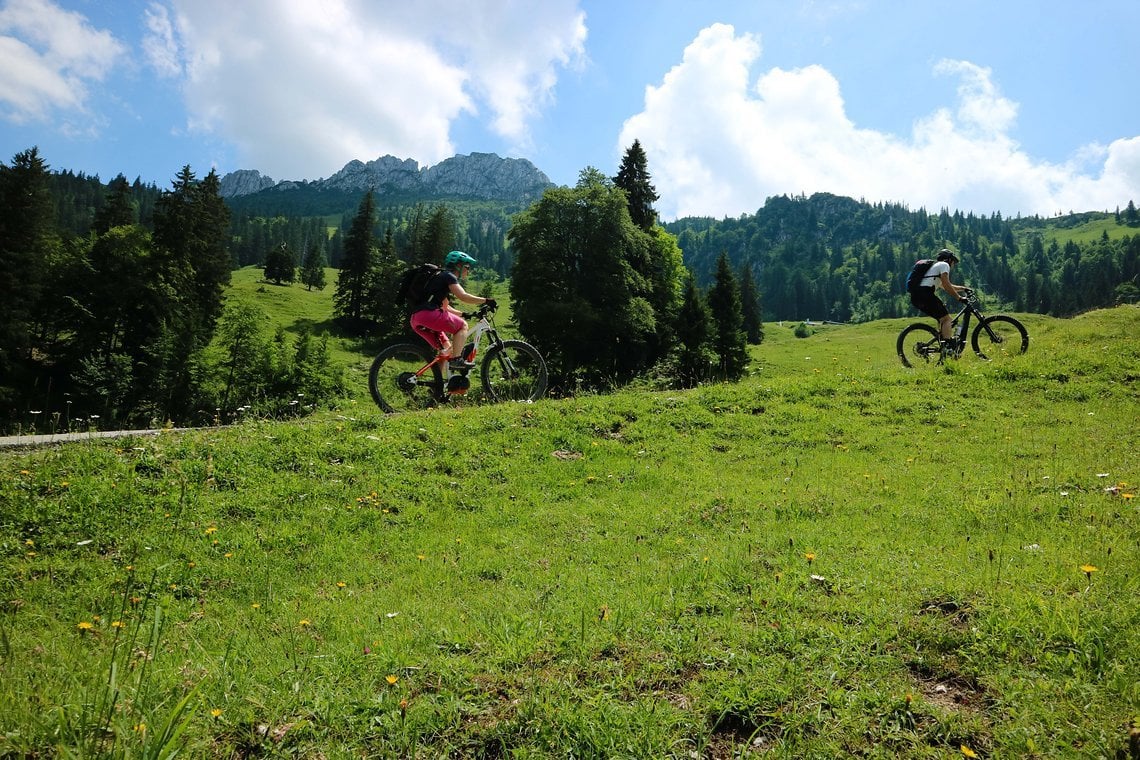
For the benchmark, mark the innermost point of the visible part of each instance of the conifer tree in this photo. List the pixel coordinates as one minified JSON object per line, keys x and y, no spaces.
{"x":356,"y":264}
{"x":313,"y":269}
{"x":382,"y":304}
{"x":750,"y":307}
{"x":693,"y":331}
{"x":729,"y":340}
{"x":633,"y":177}
{"x":118,"y":209}
{"x":26,"y":225}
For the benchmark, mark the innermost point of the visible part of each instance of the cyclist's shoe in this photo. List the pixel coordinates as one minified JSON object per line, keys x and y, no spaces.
{"x":949,"y":347}
{"x":458,"y":365}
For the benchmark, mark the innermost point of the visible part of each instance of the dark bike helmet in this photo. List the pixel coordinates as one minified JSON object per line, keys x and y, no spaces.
{"x":947,"y":255}
{"x":457,"y":257}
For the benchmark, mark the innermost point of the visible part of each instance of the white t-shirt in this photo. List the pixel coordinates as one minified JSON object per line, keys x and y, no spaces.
{"x":934,"y":274}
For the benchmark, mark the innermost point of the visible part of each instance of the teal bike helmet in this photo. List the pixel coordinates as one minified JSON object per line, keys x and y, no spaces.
{"x":457,"y":257}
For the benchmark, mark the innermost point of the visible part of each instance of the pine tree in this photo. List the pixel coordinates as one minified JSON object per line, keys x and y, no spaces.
{"x":693,"y":330}
{"x":750,"y":307}
{"x":191,"y":236}
{"x":356,"y":265}
{"x":118,"y":209}
{"x":313,"y":269}
{"x":437,"y":235}
{"x":729,"y":340}
{"x":26,"y":235}
{"x":633,"y":177}
{"x":382,"y":304}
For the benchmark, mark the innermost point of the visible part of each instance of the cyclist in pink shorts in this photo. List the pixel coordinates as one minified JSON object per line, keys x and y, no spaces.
{"x":436,"y":319}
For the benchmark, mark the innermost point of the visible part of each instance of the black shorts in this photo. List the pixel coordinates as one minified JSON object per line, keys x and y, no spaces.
{"x":925,"y":301}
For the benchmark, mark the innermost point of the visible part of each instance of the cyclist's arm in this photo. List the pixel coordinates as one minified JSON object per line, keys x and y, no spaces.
{"x":458,"y":291}
{"x":948,"y":286}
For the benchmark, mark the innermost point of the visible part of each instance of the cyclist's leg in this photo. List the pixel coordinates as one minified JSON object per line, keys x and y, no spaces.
{"x":436,"y":326}
{"x":926,"y":301}
{"x":945,"y":327}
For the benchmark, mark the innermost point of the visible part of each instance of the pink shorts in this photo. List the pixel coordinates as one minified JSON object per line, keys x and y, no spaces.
{"x":433,"y":325}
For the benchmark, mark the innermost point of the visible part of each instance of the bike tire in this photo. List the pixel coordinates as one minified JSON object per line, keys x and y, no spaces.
{"x":513,"y":371}
{"x":919,"y":347}
{"x":999,"y":337}
{"x":393,"y":383}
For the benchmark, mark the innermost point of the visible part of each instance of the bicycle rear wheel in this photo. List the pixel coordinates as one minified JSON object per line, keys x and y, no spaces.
{"x":393,"y":382}
{"x":513,"y":371}
{"x":918,"y":346}
{"x":999,"y":337}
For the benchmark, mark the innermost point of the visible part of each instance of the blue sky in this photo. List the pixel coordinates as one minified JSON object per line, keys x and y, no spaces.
{"x":1016,"y":106}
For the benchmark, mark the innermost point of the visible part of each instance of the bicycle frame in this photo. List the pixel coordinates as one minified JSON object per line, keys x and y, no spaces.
{"x":482,"y":327}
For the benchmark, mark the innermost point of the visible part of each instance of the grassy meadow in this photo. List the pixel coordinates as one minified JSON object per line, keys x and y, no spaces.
{"x":835,"y":557}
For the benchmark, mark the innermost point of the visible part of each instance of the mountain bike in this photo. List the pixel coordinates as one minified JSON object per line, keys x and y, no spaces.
{"x":994,"y":338}
{"x":409,"y":376}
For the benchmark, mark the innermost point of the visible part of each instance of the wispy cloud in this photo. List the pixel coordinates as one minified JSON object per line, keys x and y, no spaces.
{"x":159,"y":44}
{"x":50,"y":58}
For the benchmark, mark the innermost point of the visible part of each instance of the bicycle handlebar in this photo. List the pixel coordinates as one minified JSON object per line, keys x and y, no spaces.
{"x":483,"y":310}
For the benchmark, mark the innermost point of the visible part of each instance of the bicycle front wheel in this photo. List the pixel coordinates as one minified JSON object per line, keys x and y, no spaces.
{"x":999,"y":337}
{"x":918,"y":346}
{"x":394,"y":383}
{"x":513,"y":371}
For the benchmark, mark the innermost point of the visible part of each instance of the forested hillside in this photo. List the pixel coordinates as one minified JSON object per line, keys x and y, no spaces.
{"x":826,"y":257}
{"x":822,"y":257}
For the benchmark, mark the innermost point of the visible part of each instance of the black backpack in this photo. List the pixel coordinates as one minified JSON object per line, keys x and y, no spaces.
{"x":413,"y":284}
{"x":914,"y":279}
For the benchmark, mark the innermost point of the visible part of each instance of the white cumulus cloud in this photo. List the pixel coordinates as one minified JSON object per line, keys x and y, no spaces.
{"x":302,"y":87}
{"x":720,"y":142}
{"x":49,"y":58}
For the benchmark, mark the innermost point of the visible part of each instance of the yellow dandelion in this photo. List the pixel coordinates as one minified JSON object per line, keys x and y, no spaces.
{"x":29,"y":542}
{"x":140,"y":728}
{"x":227,"y":555}
{"x":216,"y":713}
{"x":304,"y":623}
{"x":1088,"y":570}
{"x":191,"y":564}
{"x":966,"y":751}
{"x":255,"y":606}
{"x":25,"y":472}
{"x":341,"y":584}
{"x":212,"y":529}
{"x":604,"y":612}
{"x":85,"y":625}
{"x":392,"y":680}
{"x":118,"y":624}
{"x":421,"y":557}
{"x":30,"y":555}
{"x":1127,"y":496}
{"x":810,"y":557}
{"x":130,"y":568}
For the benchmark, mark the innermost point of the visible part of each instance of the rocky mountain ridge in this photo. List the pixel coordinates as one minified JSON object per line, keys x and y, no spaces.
{"x":483,"y":176}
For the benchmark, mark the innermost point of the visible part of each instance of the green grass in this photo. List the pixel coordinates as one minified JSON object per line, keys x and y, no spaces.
{"x":1085,"y":233}
{"x":836,"y":556}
